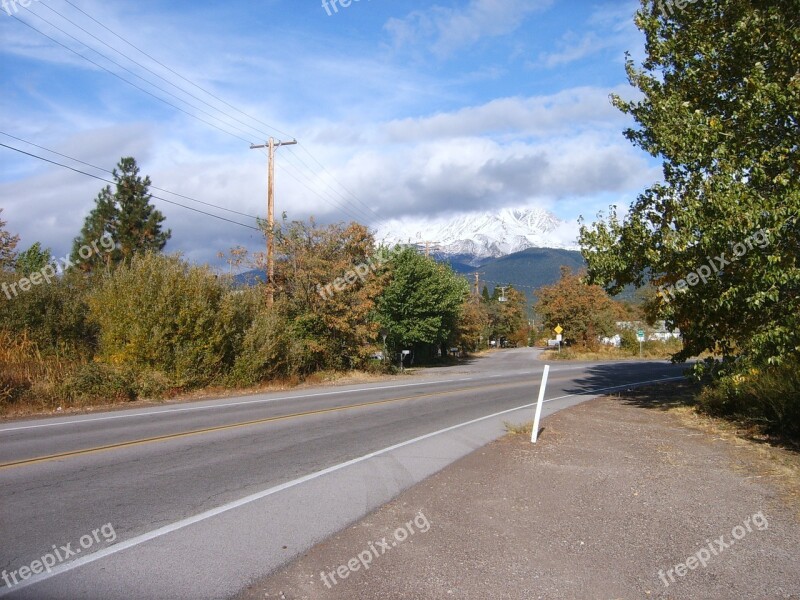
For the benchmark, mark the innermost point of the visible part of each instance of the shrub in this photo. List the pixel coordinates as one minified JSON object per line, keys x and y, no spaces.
{"x":52,"y":315}
{"x":160,"y":314}
{"x":95,"y":381}
{"x":269,"y":351}
{"x":768,"y":397}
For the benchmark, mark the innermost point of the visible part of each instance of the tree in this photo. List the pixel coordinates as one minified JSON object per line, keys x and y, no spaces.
{"x":327,"y":280}
{"x":421,"y":304}
{"x":33,"y":259}
{"x":473,"y":325}
{"x":7,"y":244}
{"x":584,"y":311}
{"x":720,"y":237}
{"x":125,"y":215}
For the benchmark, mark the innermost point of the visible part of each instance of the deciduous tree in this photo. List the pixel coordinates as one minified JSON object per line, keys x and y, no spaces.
{"x":584,"y":311}
{"x":718,"y":97}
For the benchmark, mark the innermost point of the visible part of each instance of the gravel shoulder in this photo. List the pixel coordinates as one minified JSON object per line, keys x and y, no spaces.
{"x":617,"y":500}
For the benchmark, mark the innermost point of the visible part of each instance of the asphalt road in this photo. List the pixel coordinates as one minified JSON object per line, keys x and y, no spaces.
{"x":195,"y":500}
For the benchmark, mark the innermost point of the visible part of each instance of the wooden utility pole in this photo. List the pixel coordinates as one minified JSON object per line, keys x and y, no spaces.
{"x":477,"y":284}
{"x":272,"y":145}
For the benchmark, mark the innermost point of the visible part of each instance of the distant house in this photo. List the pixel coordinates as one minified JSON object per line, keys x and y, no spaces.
{"x":658,"y":332}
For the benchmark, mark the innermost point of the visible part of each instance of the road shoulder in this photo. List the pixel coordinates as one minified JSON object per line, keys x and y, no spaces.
{"x":611,"y":499}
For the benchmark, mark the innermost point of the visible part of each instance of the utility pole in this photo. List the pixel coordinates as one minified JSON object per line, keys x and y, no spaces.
{"x":428,"y":248}
{"x":272,"y":144}
{"x":477,"y":284}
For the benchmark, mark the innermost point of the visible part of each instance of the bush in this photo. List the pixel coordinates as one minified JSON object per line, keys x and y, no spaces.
{"x":160,"y":314}
{"x":52,"y":315}
{"x":269,"y":351}
{"x":96,"y":381}
{"x":768,"y":397}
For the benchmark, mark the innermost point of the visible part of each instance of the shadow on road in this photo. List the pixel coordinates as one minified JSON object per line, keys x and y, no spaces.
{"x":603,"y":376}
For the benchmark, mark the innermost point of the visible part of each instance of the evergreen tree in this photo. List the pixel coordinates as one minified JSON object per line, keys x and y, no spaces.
{"x":126,"y":216}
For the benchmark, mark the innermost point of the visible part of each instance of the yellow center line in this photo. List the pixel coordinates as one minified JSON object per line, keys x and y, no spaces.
{"x":172,"y":436}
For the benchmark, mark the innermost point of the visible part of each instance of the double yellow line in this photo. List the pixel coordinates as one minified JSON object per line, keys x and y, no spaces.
{"x":174,"y":436}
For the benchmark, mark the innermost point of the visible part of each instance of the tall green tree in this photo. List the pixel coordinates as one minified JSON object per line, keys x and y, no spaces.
{"x":422,"y":302}
{"x":719,"y":92}
{"x":8,"y":243}
{"x":126,"y":216}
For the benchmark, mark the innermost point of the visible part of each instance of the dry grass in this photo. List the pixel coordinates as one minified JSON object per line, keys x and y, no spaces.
{"x":519,"y":428}
{"x":28,"y":379}
{"x":651,"y":350}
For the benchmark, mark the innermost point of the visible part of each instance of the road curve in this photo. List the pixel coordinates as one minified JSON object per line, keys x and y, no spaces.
{"x":196,"y":500}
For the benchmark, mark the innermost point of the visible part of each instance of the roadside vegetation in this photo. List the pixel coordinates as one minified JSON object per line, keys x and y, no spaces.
{"x":130,"y":322}
{"x":719,"y":239}
{"x":712,"y":251}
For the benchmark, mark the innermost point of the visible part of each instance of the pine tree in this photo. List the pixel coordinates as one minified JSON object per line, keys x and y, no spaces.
{"x":126,"y":216}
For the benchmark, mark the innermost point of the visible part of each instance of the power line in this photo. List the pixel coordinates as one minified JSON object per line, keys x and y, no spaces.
{"x":118,"y":76}
{"x":212,"y":95}
{"x":329,"y":199}
{"x":127,"y":70}
{"x":197,"y":210}
{"x":137,"y":63}
{"x":155,"y":60}
{"x":230,"y":210}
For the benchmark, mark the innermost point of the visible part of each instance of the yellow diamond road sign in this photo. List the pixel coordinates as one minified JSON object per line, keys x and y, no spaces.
{"x":558,"y":329}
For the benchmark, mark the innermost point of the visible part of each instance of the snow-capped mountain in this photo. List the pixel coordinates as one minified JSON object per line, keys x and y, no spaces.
{"x":485,"y":234}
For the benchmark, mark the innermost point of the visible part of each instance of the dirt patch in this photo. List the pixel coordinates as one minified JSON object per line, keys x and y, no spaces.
{"x":619,"y":499}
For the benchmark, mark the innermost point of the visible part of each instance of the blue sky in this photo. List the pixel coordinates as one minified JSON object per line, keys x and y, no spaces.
{"x":402,"y":109}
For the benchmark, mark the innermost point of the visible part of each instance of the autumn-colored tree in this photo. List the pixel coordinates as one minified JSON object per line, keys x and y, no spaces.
{"x":584,"y":311}
{"x":327,"y":281}
{"x":473,"y":325}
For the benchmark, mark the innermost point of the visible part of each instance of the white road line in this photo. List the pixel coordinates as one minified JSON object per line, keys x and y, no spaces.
{"x":162,"y":531}
{"x":224,"y":405}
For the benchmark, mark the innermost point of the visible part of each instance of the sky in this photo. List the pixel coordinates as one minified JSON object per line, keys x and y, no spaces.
{"x":401,"y":109}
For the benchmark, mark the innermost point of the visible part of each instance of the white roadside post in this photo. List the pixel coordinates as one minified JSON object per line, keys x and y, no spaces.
{"x":538,"y":415}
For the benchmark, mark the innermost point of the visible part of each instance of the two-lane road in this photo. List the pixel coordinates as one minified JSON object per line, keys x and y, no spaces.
{"x":203,"y":497}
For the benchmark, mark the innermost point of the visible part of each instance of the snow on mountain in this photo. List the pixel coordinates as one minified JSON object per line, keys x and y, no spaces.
{"x":485,"y":234}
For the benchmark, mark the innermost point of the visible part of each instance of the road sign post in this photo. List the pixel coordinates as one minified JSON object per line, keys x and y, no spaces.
{"x":538,"y":414}
{"x":640,"y":337}
{"x":558,"y":329}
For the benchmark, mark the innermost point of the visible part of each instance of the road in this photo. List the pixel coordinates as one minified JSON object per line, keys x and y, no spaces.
{"x":195,"y":500}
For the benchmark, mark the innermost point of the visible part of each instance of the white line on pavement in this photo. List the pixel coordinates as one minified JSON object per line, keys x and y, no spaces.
{"x":172,"y":527}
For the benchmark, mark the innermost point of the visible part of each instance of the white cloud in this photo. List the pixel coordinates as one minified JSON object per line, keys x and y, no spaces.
{"x":451,"y":29}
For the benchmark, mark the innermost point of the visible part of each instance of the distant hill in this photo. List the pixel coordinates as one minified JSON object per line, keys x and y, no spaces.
{"x":527,"y":270}
{"x":248,"y":278}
